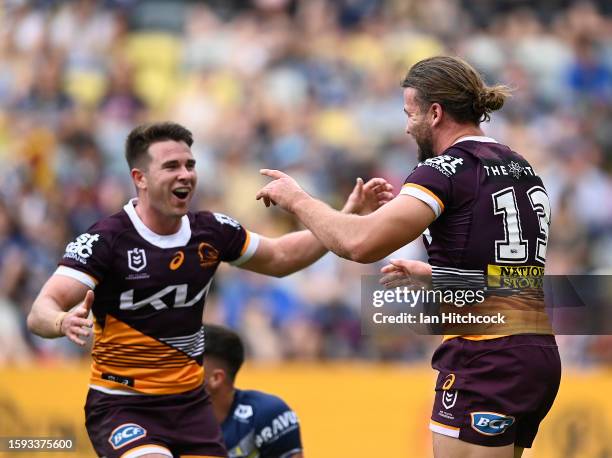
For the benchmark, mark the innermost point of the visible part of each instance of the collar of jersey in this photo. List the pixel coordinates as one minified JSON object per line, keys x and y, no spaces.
{"x":476,"y":138}
{"x":179,"y":238}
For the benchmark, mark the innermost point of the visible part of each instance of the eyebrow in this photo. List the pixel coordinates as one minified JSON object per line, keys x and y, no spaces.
{"x":189,"y":162}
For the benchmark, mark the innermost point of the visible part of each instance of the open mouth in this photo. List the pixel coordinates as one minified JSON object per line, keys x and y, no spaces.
{"x":181,"y":193}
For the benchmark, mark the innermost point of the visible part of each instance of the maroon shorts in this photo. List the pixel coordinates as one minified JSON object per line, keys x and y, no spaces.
{"x":181,"y":424}
{"x":495,"y":392}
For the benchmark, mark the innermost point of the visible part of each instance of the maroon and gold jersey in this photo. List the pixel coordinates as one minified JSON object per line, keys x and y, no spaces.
{"x":149,"y":296}
{"x":492,"y":217}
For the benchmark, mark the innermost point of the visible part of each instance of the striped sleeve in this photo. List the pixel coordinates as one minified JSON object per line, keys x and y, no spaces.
{"x":425,"y":195}
{"x":249,"y":248}
{"x":430,"y":186}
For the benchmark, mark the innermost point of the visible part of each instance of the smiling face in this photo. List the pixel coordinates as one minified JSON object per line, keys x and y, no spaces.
{"x":418,"y":125}
{"x":167,"y":182}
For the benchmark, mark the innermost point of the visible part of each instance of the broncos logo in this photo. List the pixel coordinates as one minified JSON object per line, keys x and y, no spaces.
{"x":208,"y":254}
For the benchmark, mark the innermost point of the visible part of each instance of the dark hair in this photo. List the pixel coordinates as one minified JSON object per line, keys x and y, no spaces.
{"x":457,"y":86}
{"x":139,"y":140}
{"x":225,"y":345}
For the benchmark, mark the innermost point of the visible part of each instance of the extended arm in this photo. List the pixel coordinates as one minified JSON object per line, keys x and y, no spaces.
{"x":51,"y":314}
{"x":359,"y":238}
{"x":292,"y":252}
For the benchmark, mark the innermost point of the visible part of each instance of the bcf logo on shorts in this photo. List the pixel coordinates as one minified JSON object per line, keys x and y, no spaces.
{"x":491,"y":423}
{"x":125,"y":434}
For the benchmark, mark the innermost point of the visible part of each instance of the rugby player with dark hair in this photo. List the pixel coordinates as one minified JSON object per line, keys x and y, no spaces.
{"x":482,"y":209}
{"x":254,"y":424}
{"x":151,"y":266}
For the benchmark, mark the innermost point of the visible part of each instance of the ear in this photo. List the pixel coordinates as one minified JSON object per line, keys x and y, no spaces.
{"x":216,"y":378}
{"x":436,"y":113}
{"x":139,"y":178}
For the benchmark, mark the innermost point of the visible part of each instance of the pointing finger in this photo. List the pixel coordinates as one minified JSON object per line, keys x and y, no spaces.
{"x":273,"y":173}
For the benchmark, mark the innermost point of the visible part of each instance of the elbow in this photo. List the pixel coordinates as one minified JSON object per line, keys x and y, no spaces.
{"x":362,"y":252}
{"x":281,"y":266}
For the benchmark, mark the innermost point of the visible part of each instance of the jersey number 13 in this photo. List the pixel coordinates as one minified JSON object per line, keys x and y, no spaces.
{"x":514,"y":248}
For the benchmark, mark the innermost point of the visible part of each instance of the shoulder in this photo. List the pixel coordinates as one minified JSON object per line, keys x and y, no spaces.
{"x":112,"y":225}
{"x":263,"y":400}
{"x":105,"y":231}
{"x":213,"y":219}
{"x":453,"y":162}
{"x":263,"y":407}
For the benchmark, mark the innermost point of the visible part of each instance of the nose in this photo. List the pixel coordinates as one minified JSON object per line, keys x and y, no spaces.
{"x":186,"y":173}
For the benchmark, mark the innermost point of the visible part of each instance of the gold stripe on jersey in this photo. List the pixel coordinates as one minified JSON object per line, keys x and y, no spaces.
{"x":444,"y":426}
{"x":149,"y":448}
{"x":427,"y":191}
{"x":154,"y":367}
{"x":247,"y":241}
{"x":523,"y":315}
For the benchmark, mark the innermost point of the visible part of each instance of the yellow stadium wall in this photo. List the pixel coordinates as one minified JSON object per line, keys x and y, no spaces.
{"x":346,"y":410}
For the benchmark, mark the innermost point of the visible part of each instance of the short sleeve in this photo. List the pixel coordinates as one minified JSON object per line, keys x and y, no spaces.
{"x":88,"y":257}
{"x":277,"y":430}
{"x":239,"y":245}
{"x":431,"y":181}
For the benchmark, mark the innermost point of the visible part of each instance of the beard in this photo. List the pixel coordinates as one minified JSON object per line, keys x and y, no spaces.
{"x":424,"y":141}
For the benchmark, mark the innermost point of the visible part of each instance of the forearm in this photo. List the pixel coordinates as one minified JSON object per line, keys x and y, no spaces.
{"x":296,"y":251}
{"x":338,"y":232}
{"x":46,"y":317}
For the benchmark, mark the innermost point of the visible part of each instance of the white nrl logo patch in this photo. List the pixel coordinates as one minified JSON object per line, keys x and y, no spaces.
{"x":449,"y":398}
{"x":137,"y":260}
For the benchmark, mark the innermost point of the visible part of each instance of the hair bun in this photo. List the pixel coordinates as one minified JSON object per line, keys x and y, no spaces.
{"x":489,"y":99}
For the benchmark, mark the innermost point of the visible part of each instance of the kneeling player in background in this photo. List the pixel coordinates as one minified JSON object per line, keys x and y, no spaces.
{"x":254,"y":424}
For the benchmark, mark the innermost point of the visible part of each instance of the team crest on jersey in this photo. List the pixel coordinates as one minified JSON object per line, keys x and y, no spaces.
{"x":224,"y":219}
{"x":243,"y":412}
{"x":126,"y":434}
{"x":208,"y":254}
{"x":137,"y":259}
{"x":491,"y":423}
{"x":82,"y":248}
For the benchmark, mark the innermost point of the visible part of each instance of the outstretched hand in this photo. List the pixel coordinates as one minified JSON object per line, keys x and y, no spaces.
{"x":76,"y":325}
{"x":283,"y":191}
{"x":403,"y":272}
{"x":368,"y":197}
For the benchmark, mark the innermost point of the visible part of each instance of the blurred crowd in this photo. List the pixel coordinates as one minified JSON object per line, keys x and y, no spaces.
{"x":311,"y":87}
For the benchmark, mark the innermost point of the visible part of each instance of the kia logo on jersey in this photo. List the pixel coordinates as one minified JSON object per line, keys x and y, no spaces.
{"x":491,"y":423}
{"x":137,"y":259}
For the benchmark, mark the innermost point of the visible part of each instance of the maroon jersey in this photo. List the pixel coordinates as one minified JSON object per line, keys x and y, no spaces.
{"x":149,"y":296}
{"x":492,"y":213}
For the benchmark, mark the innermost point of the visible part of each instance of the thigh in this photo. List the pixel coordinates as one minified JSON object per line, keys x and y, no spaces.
{"x":135,"y":426}
{"x":449,"y":447}
{"x":492,"y":393}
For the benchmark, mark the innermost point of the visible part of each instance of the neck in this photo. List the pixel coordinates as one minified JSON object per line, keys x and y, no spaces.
{"x":222,"y":403}
{"x":450,"y":136}
{"x":160,"y":224}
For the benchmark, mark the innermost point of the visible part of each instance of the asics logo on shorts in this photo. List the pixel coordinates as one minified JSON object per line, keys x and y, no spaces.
{"x":491,"y":423}
{"x":125,"y":434}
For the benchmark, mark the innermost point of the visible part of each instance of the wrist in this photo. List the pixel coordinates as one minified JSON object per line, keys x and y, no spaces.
{"x":300,"y":199}
{"x":59,"y":320}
